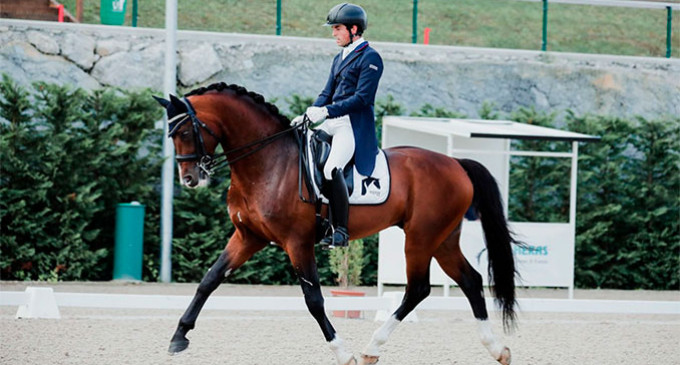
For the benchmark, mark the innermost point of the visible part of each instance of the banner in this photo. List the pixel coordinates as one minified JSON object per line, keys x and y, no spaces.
{"x":546,"y":259}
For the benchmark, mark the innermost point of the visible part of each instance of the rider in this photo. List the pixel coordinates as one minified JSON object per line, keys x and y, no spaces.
{"x":347,"y":101}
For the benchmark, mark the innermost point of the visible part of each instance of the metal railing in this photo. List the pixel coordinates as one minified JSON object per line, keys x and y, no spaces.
{"x":615,"y":3}
{"x":414,"y":35}
{"x":544,"y":38}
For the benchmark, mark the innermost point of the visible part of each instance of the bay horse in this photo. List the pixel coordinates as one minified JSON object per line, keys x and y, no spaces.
{"x":430,"y":193}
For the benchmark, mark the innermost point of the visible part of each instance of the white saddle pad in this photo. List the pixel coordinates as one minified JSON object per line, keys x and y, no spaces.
{"x":368,"y":190}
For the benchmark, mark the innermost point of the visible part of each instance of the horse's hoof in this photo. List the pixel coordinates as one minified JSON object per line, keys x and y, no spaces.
{"x":178,"y":346}
{"x":505,"y":357}
{"x":369,"y":360}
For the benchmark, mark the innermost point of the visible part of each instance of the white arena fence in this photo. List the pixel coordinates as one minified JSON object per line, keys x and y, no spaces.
{"x":44,"y":303}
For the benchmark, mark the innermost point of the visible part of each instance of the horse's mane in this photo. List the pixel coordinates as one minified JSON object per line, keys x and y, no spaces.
{"x":240,"y":90}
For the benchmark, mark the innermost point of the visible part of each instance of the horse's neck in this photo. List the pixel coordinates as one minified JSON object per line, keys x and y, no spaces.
{"x":270,"y":161}
{"x":266,"y":171}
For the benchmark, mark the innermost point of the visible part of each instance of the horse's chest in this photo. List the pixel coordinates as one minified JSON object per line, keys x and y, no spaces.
{"x":250,"y":212}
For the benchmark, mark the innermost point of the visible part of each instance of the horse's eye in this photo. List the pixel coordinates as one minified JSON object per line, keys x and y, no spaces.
{"x":185,"y":133}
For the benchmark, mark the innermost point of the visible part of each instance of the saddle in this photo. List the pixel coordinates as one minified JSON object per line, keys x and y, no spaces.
{"x":315,"y":147}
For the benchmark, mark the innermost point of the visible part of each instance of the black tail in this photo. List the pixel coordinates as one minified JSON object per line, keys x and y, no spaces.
{"x":489,"y":206}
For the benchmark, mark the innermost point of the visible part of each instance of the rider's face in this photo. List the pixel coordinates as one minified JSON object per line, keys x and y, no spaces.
{"x":341,"y":35}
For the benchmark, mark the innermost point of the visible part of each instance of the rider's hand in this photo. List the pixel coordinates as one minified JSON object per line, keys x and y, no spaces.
{"x":297,"y":121}
{"x":316,"y":114}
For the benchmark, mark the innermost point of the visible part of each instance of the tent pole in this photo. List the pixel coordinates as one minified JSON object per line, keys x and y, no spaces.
{"x":572,"y":209}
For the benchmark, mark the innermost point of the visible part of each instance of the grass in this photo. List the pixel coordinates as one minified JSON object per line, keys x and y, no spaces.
{"x":475,"y":23}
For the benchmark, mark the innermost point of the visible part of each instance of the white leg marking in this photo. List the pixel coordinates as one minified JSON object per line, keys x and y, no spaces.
{"x":337,"y":345}
{"x":489,"y":339}
{"x":380,"y":336}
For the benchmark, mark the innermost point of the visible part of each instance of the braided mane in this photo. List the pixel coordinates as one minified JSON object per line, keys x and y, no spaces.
{"x":240,"y":90}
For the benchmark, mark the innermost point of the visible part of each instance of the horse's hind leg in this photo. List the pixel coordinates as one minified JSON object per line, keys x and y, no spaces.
{"x":237,"y":252}
{"x":455,"y":265}
{"x":417,"y":289}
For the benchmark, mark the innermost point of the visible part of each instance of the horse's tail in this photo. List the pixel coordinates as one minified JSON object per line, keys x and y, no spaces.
{"x":489,"y":206}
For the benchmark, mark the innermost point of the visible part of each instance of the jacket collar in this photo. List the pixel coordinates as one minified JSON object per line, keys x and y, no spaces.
{"x":353,"y":46}
{"x":350,"y":58}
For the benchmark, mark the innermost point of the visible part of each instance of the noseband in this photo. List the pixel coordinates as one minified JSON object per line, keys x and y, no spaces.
{"x":206,"y":162}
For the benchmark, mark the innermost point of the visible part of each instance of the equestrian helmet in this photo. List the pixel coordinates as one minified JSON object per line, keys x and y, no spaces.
{"x":348,"y":14}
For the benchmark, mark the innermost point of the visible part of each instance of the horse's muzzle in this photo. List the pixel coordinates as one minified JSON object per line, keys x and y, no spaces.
{"x":194,"y":177}
{"x":189,"y":181}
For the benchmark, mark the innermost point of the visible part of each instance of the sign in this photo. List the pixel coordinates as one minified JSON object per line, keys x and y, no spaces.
{"x":545,"y":260}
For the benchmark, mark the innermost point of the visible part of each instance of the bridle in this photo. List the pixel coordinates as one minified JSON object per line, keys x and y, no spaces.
{"x":210,"y":163}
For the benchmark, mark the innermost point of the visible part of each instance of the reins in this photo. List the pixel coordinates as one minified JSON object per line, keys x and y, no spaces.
{"x":264,"y":141}
{"x":304,"y":175}
{"x":211,"y":163}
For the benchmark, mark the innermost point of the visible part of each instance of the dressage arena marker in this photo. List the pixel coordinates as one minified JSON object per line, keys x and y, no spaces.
{"x":40,"y":302}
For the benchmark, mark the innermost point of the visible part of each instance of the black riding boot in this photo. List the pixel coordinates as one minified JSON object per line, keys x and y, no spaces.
{"x":339,"y":206}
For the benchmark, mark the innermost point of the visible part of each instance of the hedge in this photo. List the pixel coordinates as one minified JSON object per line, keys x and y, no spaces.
{"x":69,"y":156}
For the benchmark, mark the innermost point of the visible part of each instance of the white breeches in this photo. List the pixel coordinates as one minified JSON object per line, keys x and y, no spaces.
{"x":342,"y":148}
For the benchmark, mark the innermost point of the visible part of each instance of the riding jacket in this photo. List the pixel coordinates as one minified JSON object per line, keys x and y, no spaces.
{"x":350,"y":90}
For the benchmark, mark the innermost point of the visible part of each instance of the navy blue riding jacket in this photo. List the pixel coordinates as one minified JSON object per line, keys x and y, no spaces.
{"x":350,"y":90}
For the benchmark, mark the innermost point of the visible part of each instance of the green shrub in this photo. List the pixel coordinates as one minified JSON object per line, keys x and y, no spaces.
{"x":628,"y":206}
{"x":298,"y":105}
{"x":347,"y":263}
{"x":628,"y":220}
{"x":539,"y":186}
{"x":68,"y":158}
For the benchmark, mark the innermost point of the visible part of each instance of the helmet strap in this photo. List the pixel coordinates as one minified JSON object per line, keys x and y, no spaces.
{"x":351,"y":36}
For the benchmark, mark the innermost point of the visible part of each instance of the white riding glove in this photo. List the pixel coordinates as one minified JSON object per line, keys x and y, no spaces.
{"x":297,"y":121}
{"x":316,"y":114}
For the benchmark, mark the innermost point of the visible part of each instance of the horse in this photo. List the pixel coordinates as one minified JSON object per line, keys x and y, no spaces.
{"x":430,"y":193}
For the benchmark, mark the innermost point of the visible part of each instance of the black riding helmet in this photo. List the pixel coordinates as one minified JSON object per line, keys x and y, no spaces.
{"x":348,"y":14}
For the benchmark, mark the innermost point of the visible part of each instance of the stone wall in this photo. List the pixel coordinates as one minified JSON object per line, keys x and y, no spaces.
{"x":455,"y":78}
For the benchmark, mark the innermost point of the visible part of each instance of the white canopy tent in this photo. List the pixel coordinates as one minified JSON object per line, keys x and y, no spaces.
{"x":549,"y":259}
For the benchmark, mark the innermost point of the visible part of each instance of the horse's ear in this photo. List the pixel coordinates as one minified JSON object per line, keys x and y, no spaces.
{"x":161,"y":101}
{"x":178,"y":104}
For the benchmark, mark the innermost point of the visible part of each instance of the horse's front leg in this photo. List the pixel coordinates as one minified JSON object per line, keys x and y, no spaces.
{"x":305,"y":266}
{"x":238,"y":251}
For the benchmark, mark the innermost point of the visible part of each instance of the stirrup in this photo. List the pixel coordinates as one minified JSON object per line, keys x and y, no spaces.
{"x":339,"y":238}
